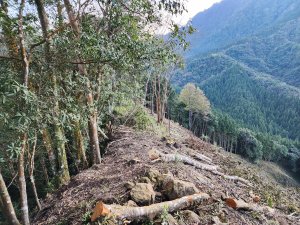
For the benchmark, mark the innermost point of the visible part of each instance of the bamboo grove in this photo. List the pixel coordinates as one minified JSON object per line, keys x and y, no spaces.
{"x":64,"y":68}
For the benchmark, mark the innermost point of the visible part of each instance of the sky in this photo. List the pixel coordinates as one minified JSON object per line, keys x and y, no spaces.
{"x":194,"y":7}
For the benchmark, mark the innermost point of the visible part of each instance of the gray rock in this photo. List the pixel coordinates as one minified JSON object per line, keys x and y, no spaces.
{"x":142,"y":194}
{"x":173,"y":188}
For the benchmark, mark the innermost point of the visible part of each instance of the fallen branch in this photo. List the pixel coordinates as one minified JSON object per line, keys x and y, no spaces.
{"x":137,"y":213}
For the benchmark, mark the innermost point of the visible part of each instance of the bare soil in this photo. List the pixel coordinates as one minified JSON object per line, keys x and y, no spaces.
{"x":126,"y":159}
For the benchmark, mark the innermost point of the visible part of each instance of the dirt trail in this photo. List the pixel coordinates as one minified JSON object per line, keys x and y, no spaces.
{"x":126,"y":159}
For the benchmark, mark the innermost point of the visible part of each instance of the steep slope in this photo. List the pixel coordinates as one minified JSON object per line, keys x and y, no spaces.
{"x":126,"y":159}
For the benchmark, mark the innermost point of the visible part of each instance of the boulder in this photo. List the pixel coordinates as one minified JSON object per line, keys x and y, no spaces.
{"x":190,"y":217}
{"x":142,"y":194}
{"x":173,"y":188}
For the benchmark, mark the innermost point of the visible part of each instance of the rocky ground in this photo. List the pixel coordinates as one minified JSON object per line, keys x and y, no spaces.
{"x":129,"y":176}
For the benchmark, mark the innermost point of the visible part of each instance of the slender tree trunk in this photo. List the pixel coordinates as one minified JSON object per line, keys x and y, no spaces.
{"x":190,"y":119}
{"x":48,"y":145}
{"x":31,"y":156}
{"x":79,"y":143}
{"x":25,"y":77}
{"x":6,"y":204}
{"x":45,"y":171}
{"x":93,"y":124}
{"x":22,"y":183}
{"x":64,"y":175}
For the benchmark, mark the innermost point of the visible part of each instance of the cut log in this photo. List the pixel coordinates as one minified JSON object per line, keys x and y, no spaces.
{"x":138,"y":213}
{"x":187,"y":160}
{"x":203,"y":158}
{"x":233,"y":178}
{"x":237,"y":204}
{"x":240,"y":204}
{"x":191,"y":161}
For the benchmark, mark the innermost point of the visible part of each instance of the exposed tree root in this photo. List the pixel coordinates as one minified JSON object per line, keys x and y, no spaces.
{"x":137,"y":213}
{"x":191,"y":161}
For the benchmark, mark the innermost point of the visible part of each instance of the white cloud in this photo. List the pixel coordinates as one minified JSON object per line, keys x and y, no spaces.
{"x":194,"y":7}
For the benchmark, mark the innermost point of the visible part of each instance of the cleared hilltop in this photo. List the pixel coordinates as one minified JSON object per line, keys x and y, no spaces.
{"x":270,"y":197}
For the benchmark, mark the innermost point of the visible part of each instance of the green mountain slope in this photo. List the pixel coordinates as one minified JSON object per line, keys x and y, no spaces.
{"x":253,"y":98}
{"x":246,"y":57}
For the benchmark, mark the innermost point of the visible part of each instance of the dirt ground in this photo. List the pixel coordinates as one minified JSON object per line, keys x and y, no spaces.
{"x":126,"y":159}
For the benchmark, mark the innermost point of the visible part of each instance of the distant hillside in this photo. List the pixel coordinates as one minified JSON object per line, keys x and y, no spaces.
{"x":246,"y":57}
{"x":232,"y":20}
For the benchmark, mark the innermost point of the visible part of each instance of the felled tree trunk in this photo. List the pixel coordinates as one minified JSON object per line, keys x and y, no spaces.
{"x":191,"y":161}
{"x":233,"y":178}
{"x":203,"y":158}
{"x":187,"y":160}
{"x":6,"y":204}
{"x":138,"y":213}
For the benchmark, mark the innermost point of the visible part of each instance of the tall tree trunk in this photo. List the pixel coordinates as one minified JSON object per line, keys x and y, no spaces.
{"x":79,"y":143}
{"x":190,"y":119}
{"x":64,"y":175}
{"x":22,"y":183}
{"x":44,"y":168}
{"x":31,"y":156}
{"x":6,"y":204}
{"x":25,"y":77}
{"x":93,"y":117}
{"x":48,"y":145}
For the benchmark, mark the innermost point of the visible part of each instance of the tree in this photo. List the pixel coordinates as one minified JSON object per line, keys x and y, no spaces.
{"x":248,"y":145}
{"x":195,"y":101}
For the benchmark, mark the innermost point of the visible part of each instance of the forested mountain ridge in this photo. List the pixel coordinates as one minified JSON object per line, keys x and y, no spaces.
{"x":246,"y":57}
{"x":232,"y":20}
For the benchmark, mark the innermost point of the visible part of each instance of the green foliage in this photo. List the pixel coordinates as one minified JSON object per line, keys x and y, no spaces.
{"x":249,"y":146}
{"x":194,"y":99}
{"x":86,"y":218}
